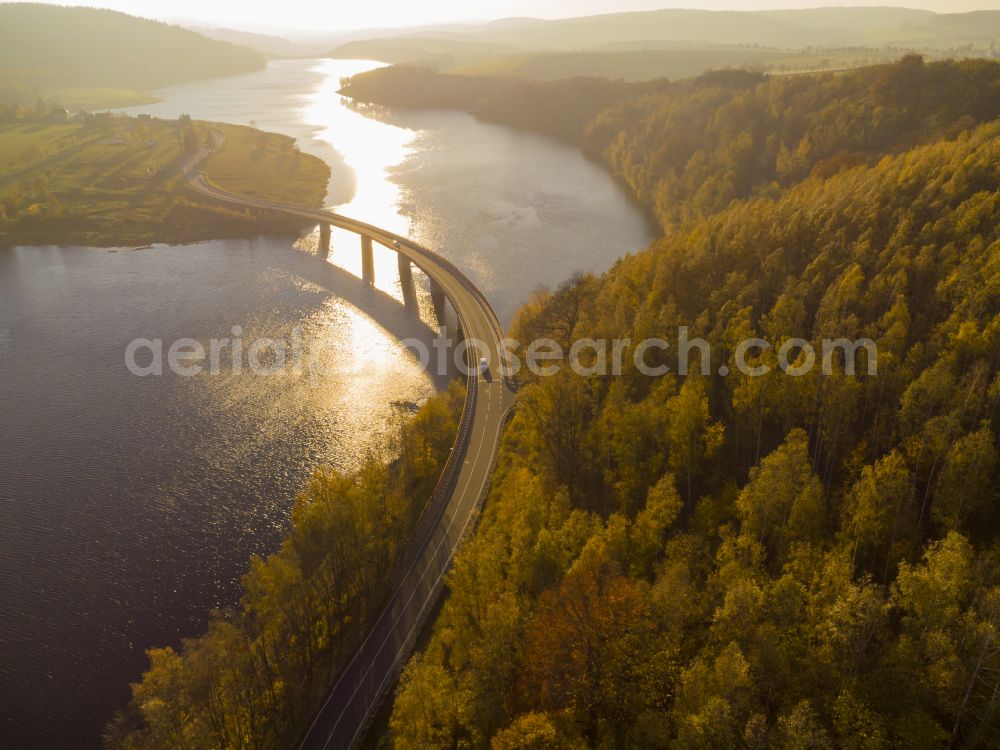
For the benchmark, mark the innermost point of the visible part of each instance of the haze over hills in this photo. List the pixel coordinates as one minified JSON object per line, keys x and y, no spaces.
{"x":856,"y":20}
{"x":729,"y":27}
{"x":271,"y":45}
{"x":422,"y":49}
{"x":289,"y":43}
{"x":682,"y":43}
{"x":975,"y":25}
{"x":44,"y":48}
{"x":790,"y":29}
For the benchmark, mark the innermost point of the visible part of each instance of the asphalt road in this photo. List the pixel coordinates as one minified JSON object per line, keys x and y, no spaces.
{"x":361,"y":686}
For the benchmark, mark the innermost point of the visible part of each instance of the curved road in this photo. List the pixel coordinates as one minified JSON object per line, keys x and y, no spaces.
{"x":355,"y":697}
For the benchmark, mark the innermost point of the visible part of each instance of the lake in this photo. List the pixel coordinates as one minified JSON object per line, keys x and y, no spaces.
{"x":129,"y":506}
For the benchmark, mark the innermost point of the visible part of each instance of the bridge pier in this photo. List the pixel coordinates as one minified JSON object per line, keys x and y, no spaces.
{"x":324,"y":240}
{"x":367,"y":260}
{"x":406,"y":280}
{"x":437,"y":298}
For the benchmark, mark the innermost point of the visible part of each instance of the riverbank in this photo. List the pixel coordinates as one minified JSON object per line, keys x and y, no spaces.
{"x":709,"y":162}
{"x":305,"y":608}
{"x":111,"y":180}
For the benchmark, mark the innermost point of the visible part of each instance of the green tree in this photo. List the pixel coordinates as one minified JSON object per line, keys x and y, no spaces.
{"x":663,"y":507}
{"x":966,"y":483}
{"x":425,"y":713}
{"x":713,"y":702}
{"x":801,"y":729}
{"x":535,"y":731}
{"x":880,"y":515}
{"x":692,"y":437}
{"x":783,"y":501}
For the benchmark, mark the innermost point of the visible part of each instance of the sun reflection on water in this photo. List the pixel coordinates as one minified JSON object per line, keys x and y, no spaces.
{"x":375,"y":147}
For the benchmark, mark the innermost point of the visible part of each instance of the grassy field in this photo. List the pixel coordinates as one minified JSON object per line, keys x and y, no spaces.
{"x":265,"y":165}
{"x":115,"y":181}
{"x":76,"y":99}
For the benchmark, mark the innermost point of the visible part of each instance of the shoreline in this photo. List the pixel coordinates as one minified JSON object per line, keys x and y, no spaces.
{"x":114,"y":181}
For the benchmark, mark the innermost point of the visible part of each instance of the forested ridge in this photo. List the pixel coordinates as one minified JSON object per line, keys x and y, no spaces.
{"x":787,"y":562}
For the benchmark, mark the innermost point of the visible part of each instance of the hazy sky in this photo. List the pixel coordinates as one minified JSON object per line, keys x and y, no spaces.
{"x":323,"y":15}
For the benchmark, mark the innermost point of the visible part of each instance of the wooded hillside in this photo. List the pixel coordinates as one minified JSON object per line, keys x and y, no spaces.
{"x":782,"y":562}
{"x":45,"y":48}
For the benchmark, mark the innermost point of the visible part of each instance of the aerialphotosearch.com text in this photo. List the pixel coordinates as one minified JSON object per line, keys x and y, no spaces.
{"x":543,"y":357}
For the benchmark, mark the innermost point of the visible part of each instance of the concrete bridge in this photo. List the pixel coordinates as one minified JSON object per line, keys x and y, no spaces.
{"x":404,"y":265}
{"x":454,"y":505}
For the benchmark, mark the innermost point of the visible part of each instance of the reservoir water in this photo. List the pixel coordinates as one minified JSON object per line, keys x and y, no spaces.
{"x":129,"y":506}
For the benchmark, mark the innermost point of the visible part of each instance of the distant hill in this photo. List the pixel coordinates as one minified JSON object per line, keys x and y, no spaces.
{"x":268,"y":44}
{"x":418,"y":49}
{"x":50,"y":47}
{"x":673,"y":62}
{"x":857,"y":20}
{"x":976,"y":23}
{"x":728,"y":27}
{"x":841,"y":36}
{"x":789,"y":29}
